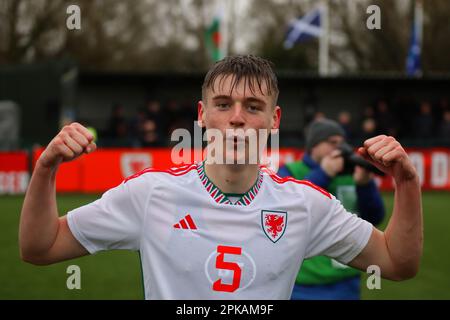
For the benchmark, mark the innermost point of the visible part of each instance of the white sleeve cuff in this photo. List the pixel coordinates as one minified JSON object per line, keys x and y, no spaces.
{"x":360,"y":245}
{"x":71,"y":221}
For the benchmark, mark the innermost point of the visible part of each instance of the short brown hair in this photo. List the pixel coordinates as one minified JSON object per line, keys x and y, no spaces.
{"x":252,"y":69}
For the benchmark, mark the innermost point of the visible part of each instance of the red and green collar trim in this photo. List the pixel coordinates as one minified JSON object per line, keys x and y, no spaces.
{"x":220,"y":197}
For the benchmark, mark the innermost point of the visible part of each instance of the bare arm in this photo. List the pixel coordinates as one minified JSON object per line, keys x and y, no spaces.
{"x":44,"y":238}
{"x":397,"y":250}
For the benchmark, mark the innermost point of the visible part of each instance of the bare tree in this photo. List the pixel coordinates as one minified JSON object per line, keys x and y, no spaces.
{"x":114,"y":35}
{"x":362,"y":50}
{"x":436,"y":44}
{"x":24,"y":27}
{"x":377,"y":50}
{"x":152,"y":35}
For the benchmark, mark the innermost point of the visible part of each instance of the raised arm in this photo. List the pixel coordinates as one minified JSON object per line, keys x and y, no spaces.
{"x":397,"y":250}
{"x":44,"y":238}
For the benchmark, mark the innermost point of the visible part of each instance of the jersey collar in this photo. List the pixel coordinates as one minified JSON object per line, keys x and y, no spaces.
{"x":220,"y":197}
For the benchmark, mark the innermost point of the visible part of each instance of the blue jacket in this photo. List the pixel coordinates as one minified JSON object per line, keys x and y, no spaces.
{"x":370,"y":204}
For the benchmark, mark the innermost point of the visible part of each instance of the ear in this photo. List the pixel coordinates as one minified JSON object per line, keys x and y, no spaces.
{"x":276,"y":117}
{"x":201,"y":114}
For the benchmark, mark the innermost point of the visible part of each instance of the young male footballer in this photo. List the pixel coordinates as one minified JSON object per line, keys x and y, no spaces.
{"x":218,"y":229}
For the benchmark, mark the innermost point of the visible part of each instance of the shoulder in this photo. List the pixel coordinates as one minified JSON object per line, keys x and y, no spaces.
{"x":291,"y":184}
{"x":174,"y":173}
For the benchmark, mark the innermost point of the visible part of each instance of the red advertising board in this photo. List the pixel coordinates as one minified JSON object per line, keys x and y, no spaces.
{"x":106,"y":168}
{"x":14,"y":172}
{"x":433,"y":168}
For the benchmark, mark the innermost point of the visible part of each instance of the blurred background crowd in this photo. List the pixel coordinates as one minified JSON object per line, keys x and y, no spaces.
{"x":152,"y":124}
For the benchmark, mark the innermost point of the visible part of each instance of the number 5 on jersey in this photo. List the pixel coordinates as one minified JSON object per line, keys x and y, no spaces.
{"x":231,"y":266}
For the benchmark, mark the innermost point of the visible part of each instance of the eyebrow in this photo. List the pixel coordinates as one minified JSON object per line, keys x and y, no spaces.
{"x":250,"y":99}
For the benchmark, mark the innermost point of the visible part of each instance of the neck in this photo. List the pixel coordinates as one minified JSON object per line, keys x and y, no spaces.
{"x":232,"y":178}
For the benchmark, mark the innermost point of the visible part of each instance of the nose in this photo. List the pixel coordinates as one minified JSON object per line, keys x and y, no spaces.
{"x":237,"y":120}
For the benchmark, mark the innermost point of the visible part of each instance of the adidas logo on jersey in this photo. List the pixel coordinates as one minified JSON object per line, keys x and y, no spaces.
{"x":186,"y":223}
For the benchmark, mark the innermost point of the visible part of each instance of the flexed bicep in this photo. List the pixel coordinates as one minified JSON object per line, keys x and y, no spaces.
{"x":376,"y":253}
{"x":65,"y":247}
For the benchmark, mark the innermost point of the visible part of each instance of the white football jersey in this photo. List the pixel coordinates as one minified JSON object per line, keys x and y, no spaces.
{"x":195,"y":243}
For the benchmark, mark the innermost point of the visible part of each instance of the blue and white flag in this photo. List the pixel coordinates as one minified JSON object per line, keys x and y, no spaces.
{"x":304,"y":28}
{"x":413,"y":61}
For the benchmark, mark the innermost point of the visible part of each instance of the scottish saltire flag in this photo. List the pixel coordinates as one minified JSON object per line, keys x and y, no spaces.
{"x":413,"y":65}
{"x":303,"y":28}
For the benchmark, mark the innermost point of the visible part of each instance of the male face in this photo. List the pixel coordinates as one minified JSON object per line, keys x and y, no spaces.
{"x":238,"y":111}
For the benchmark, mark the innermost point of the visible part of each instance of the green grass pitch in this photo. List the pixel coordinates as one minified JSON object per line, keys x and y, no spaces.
{"x":117,"y":275}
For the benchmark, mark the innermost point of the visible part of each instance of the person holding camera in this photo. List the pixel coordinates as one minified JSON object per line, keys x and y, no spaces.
{"x":326,"y":165}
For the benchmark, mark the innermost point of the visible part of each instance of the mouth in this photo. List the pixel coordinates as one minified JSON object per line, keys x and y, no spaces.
{"x":235,"y":140}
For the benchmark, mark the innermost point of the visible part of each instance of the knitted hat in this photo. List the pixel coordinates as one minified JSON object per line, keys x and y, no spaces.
{"x":321,"y":130}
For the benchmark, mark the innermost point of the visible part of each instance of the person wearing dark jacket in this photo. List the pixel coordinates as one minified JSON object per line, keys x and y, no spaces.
{"x":322,"y":164}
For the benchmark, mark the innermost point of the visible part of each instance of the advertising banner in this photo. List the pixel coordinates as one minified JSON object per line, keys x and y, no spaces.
{"x":106,"y":168}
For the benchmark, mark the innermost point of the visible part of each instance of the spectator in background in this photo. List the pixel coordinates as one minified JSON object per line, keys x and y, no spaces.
{"x":154,"y":112}
{"x":150,"y":136}
{"x":137,"y":126}
{"x":385,"y":119}
{"x":345,"y":120}
{"x":368,"y":113}
{"x":117,"y":127}
{"x":423,"y":123}
{"x":153,"y":109}
{"x":441,"y":107}
{"x":368,"y":129}
{"x":176,"y":116}
{"x":444,"y":128}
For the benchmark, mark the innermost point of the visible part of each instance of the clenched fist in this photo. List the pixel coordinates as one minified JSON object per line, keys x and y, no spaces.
{"x":72,"y":141}
{"x":388,"y":155}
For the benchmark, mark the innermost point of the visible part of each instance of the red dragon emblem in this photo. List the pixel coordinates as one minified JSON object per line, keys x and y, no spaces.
{"x":274,"y":224}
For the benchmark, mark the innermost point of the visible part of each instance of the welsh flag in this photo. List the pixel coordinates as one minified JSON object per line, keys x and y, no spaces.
{"x":213,"y":40}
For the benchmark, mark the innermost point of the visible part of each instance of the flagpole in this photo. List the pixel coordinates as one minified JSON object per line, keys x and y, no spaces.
{"x":324,"y":41}
{"x":225,"y":8}
{"x":413,"y":61}
{"x":418,"y":14}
